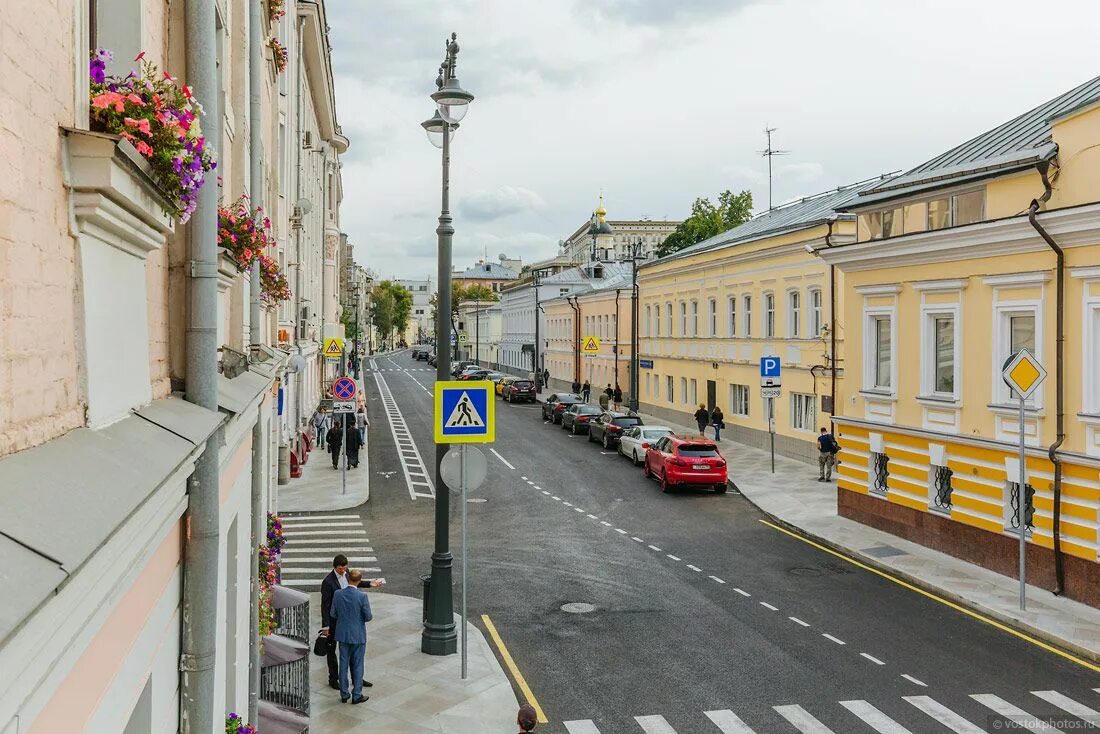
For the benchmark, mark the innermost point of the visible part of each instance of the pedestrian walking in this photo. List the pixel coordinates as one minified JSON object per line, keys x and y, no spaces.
{"x":336,"y":579}
{"x":608,"y":390}
{"x":351,"y":612}
{"x":604,"y":401}
{"x":586,"y":391}
{"x":526,"y":718}
{"x":617,"y":397}
{"x":718,"y":420}
{"x":546,"y":378}
{"x":576,"y":387}
{"x":361,"y":423}
{"x":826,"y":457}
{"x":320,"y":426}
{"x":334,"y":439}
{"x":702,"y":418}
{"x":353,"y":444}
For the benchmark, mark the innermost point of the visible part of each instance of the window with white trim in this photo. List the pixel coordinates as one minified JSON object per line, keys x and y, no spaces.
{"x":1091,"y":400}
{"x":878,"y":351}
{"x":739,"y":399}
{"x":817,"y":322}
{"x":648,"y":322}
{"x":712,"y":318}
{"x":668,"y":319}
{"x":669,"y":382}
{"x":695,"y":318}
{"x":694,"y":395}
{"x":732,"y":326}
{"x":747,"y":302}
{"x":683,"y":390}
{"x":940,"y":352}
{"x":1015,"y":329}
{"x":802,"y":412}
{"x":769,"y":315}
{"x":683,"y":318}
{"x":794,"y":314}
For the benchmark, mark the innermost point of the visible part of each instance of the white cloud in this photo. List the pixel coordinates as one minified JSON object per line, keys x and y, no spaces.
{"x":801,"y":172}
{"x":503,"y":201}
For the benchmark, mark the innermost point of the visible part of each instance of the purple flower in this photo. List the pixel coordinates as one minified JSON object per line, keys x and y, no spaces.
{"x":104,"y":55}
{"x":98,"y":71}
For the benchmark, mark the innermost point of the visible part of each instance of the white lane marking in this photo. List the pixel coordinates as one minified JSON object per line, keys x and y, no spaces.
{"x":715,"y":578}
{"x":911,"y":679}
{"x":620,"y":531}
{"x":546,"y":493}
{"x":567,"y":504}
{"x":636,"y":538}
{"x":530,"y":482}
{"x":766,"y":605}
{"x":798,"y":621}
{"x":944,"y":715}
{"x":802,"y":720}
{"x":313,"y":582}
{"x":742,"y":592}
{"x":874,"y":718}
{"x":581,"y":727}
{"x":675,"y":558}
{"x":654,"y":725}
{"x":295,"y":526}
{"x":538,"y":487}
{"x":502,"y":459}
{"x":837,"y":640}
{"x":605,"y":522}
{"x":341,"y":540}
{"x":577,"y":509}
{"x":593,"y":517}
{"x":696,"y":569}
{"x":556,"y":499}
{"x":728,"y":722}
{"x":654,"y":548}
{"x":872,"y":658}
{"x":524,"y":478}
{"x":1070,"y":706}
{"x":409,"y":464}
{"x":1006,"y":709}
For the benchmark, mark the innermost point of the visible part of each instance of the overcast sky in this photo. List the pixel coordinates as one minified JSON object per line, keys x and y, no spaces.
{"x":657,"y":102}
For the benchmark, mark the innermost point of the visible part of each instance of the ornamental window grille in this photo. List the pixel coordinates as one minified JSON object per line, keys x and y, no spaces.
{"x":879,"y":473}
{"x":941,"y":482}
{"x":1014,"y":503}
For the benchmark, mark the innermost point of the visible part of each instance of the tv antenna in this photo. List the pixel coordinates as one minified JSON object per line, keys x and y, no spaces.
{"x":770,"y":153}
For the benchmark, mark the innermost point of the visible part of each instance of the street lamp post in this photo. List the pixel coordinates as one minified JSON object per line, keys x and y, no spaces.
{"x":536,"y":368}
{"x":635,"y":249}
{"x":440,"y":636}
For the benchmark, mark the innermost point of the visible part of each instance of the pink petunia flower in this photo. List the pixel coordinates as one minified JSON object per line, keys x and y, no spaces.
{"x":142,"y":125}
{"x":143,"y":148}
{"x":109,"y":99}
{"x":140,"y":56}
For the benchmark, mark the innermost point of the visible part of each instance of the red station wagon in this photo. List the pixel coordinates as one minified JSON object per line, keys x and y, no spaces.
{"x":677,"y":461}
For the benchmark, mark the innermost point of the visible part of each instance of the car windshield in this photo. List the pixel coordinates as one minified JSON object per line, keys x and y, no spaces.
{"x":627,"y":421}
{"x":655,"y":433}
{"x":522,"y":383}
{"x":697,"y":450}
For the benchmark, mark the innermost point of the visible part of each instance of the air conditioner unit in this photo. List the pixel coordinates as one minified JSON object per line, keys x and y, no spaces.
{"x":307,"y":139}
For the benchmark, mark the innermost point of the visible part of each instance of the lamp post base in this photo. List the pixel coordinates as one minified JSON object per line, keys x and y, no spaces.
{"x":440,"y":634}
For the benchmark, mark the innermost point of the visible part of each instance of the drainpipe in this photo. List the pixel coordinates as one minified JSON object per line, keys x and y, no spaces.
{"x":199,"y":604}
{"x":299,"y":336}
{"x":617,"y":337}
{"x":832,"y":325}
{"x":576,"y":338}
{"x":1059,"y":374}
{"x":255,"y":337}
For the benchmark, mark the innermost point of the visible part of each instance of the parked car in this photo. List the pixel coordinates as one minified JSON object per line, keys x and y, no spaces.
{"x":415,"y":353}
{"x":677,"y":461}
{"x":577,"y":418}
{"x":457,"y":367}
{"x":556,"y":404}
{"x":422,"y":355}
{"x":634,"y":441}
{"x":482,"y":374}
{"x":432,"y":359}
{"x":495,"y":377}
{"x":519,"y":390}
{"x":610,"y":425}
{"x":499,"y":388}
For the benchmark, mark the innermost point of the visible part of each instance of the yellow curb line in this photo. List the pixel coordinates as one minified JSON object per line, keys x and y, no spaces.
{"x":941,"y":600}
{"x":508,"y":661}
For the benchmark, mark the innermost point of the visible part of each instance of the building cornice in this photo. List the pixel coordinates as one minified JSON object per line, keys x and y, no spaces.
{"x":952,"y":284}
{"x":887,"y":289}
{"x":1035,"y":278}
{"x":1071,"y":227}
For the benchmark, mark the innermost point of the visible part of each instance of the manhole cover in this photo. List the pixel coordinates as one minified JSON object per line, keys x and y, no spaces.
{"x":578,"y":607}
{"x":476,"y":499}
{"x":802,"y":571}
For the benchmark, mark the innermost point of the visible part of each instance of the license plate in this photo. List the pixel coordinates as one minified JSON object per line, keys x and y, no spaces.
{"x":701,"y":467}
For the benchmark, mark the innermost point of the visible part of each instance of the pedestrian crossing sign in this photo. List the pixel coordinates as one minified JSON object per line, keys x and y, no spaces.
{"x":591,"y":345}
{"x":465,"y":412}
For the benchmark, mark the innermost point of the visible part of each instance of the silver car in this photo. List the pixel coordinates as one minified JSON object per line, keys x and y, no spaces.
{"x":634,"y":441}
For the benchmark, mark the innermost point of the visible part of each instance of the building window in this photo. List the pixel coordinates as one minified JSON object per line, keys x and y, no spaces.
{"x":732,"y":326}
{"x":802,"y":412}
{"x":968,"y":208}
{"x":816,"y":316}
{"x":794,"y":314}
{"x":648,"y":379}
{"x":739,"y":399}
{"x":939,"y":353}
{"x":878,"y":352}
{"x":683,"y":318}
{"x":939,"y":213}
{"x":769,"y":315}
{"x":712,"y":317}
{"x":668,"y":319}
{"x":683,"y":390}
{"x":694,"y":394}
{"x":1016,"y":331}
{"x":668,"y":387}
{"x":695,"y":318}
{"x":871,"y":224}
{"x":747,"y":302}
{"x":880,"y":474}
{"x":648,"y":321}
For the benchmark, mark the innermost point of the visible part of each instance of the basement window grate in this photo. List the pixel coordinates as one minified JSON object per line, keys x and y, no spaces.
{"x":942,"y":484}
{"x":879,"y":473}
{"x":1029,"y":505}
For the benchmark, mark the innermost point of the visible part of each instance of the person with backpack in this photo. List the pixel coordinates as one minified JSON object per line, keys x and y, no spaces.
{"x":826,"y":458}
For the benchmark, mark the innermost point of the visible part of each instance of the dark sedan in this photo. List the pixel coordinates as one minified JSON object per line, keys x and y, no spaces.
{"x":556,"y":404}
{"x":578,"y":417}
{"x":610,"y":426}
{"x":475,"y":375}
{"x":518,"y":390}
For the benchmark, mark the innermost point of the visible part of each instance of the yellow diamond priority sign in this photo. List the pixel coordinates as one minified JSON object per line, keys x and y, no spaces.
{"x":1023,"y":373}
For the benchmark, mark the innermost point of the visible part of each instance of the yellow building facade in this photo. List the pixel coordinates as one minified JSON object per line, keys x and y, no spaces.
{"x":956,"y":267}
{"x":709,"y":313}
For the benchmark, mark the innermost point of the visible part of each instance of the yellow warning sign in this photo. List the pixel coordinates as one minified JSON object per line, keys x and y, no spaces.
{"x":590,"y":345}
{"x":1023,"y":373}
{"x":334,"y":347}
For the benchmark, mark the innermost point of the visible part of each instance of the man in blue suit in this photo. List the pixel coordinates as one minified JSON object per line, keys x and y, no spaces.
{"x":351,"y":612}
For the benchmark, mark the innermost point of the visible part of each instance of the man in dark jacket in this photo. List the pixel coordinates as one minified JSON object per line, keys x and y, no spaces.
{"x":354,"y":442}
{"x":702,"y":418}
{"x":334,"y":439}
{"x":337,"y":579}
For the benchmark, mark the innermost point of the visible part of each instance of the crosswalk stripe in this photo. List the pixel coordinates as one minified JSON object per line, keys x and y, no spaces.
{"x":802,"y":720}
{"x":874,"y":718}
{"x":1006,"y":709}
{"x":1070,"y":706}
{"x":316,"y":583}
{"x":728,"y":722}
{"x":299,"y":533}
{"x":296,"y":526}
{"x":654,"y":725}
{"x":587,"y":726}
{"x":297,"y":518}
{"x":319,"y":549}
{"x":944,"y":715}
{"x":311,"y":560}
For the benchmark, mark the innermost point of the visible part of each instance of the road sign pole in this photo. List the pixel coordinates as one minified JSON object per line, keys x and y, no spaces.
{"x":1022,"y":499}
{"x":771,"y":432}
{"x":344,"y":457}
{"x":465,"y":616}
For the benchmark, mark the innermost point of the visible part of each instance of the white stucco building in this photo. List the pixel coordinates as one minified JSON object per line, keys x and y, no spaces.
{"x":421,"y":326}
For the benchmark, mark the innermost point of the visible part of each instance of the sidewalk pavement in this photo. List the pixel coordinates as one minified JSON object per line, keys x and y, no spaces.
{"x":794,"y":498}
{"x":413,"y":693}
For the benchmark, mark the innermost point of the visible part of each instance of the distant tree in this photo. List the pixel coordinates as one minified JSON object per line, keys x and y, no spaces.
{"x":475,"y":292}
{"x":708,"y":220}
{"x":391,"y":304}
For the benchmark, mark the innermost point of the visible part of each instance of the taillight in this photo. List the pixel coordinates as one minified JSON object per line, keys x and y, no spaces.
{"x":614,"y":428}
{"x":677,"y":461}
{"x":720,"y":462}
{"x":559,"y":406}
{"x":645,"y":445}
{"x":583,"y":418}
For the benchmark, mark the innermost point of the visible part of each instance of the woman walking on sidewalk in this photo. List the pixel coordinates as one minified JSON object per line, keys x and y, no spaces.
{"x":717,"y":419}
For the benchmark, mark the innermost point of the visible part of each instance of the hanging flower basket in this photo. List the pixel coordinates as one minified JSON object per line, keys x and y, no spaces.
{"x":273,"y":284}
{"x":243,"y":232}
{"x":234,"y":724}
{"x":161,"y":119}
{"x":276,"y":9}
{"x":279,"y":52}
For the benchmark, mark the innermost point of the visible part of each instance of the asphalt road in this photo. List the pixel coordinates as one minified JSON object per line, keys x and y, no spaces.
{"x":697,"y":605}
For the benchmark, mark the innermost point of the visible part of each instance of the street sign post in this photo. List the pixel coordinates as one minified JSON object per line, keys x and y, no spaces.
{"x":465,"y":412}
{"x":343,"y":393}
{"x":1024,"y":374}
{"x":344,"y":388}
{"x":770,"y":372}
{"x":340,"y":407}
{"x":771,"y":392}
{"x":465,"y":469}
{"x":590,"y":345}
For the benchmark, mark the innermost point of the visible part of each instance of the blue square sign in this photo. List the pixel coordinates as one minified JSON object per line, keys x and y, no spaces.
{"x":464,"y":412}
{"x":769,"y":366}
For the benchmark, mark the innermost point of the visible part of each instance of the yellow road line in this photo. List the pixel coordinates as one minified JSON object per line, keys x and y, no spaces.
{"x":941,"y":600}
{"x":513,"y":669}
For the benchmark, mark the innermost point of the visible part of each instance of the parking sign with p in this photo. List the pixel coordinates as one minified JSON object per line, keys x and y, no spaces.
{"x":770,"y":372}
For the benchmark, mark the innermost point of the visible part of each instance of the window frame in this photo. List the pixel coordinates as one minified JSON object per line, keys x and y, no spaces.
{"x":694,"y":317}
{"x":769,"y":315}
{"x":739,"y":400}
{"x":794,"y":313}
{"x":683,"y":390}
{"x":871,"y":316}
{"x":817,"y":312}
{"x":670,"y":385}
{"x":746,"y":304}
{"x":683,"y":318}
{"x":928,"y":352}
{"x":803,"y":405}
{"x":668,"y":318}
{"x":1003,"y":311}
{"x":731,"y":327}
{"x":712,"y":317}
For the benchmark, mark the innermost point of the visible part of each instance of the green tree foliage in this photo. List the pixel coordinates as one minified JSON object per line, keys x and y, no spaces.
{"x":708,"y":220}
{"x":391,"y":305}
{"x":459,"y":295}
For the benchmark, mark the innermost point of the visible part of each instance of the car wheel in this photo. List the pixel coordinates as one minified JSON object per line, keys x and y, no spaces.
{"x":573,"y":428}
{"x":665,"y":486}
{"x":720,"y":488}
{"x":606,"y":445}
{"x":645,"y":471}
{"x":590,"y":439}
{"x":635,"y":458}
